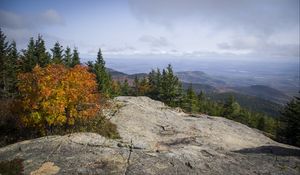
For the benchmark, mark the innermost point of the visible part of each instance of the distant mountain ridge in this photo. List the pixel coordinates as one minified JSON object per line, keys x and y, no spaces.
{"x":264,"y":92}
{"x":257,"y":98}
{"x":252,"y":103}
{"x":199,"y":77}
{"x":200,"y":87}
{"x":261,"y":91}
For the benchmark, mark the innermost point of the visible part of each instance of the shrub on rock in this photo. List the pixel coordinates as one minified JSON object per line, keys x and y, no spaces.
{"x":56,"y":95}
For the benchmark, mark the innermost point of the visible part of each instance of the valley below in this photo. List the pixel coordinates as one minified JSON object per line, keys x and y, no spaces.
{"x":265,"y":96}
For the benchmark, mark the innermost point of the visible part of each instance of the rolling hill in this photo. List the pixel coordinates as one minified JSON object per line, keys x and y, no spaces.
{"x":257,"y":98}
{"x":264,"y":92}
{"x":251,"y":103}
{"x":223,"y":85}
{"x":199,"y":77}
{"x":200,"y":87}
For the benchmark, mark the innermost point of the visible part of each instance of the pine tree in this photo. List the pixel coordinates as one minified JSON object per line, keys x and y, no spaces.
{"x":75,"y":58}
{"x":136,"y":86}
{"x":289,"y":123}
{"x":190,"y":102}
{"x":154,"y":78}
{"x":41,"y":54}
{"x":67,"y":59}
{"x":3,"y":50}
{"x":29,"y":59}
{"x":3,"y":58}
{"x":171,"y":89}
{"x":35,"y":54}
{"x":57,"y":53}
{"x":102,"y":76}
{"x":125,"y":90}
{"x":261,"y":123}
{"x":9,"y":67}
{"x":201,"y":102}
{"x":100,"y":60}
{"x":231,"y":108}
{"x":12,"y":69}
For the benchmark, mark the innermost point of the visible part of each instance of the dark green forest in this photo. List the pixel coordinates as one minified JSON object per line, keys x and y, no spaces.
{"x":251,"y":103}
{"x":160,"y":85}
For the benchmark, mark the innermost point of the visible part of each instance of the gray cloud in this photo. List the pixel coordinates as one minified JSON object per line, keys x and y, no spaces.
{"x":279,"y":50}
{"x":12,"y":20}
{"x":261,"y":47}
{"x":111,"y":50}
{"x":118,"y":49}
{"x":261,"y":17}
{"x":154,"y":41}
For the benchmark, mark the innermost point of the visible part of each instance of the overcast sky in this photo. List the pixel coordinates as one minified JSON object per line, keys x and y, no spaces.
{"x":260,"y":29}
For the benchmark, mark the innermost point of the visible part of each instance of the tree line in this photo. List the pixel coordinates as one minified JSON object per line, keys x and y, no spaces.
{"x":159,"y":84}
{"x":44,"y":93}
{"x":13,"y":62}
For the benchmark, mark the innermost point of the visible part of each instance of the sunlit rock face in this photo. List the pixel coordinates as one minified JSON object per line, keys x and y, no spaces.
{"x":156,"y":139}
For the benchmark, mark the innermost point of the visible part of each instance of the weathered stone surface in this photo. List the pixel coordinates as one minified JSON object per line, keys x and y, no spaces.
{"x":158,"y":140}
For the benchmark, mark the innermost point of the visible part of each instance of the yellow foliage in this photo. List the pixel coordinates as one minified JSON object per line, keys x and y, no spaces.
{"x":56,"y":95}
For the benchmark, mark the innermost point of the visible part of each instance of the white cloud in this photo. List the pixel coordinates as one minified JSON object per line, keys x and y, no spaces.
{"x":154,"y":41}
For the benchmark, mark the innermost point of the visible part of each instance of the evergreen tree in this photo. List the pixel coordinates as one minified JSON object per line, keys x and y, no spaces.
{"x":171,"y":89}
{"x":3,"y":58}
{"x":245,"y":118}
{"x":231,"y":108}
{"x":29,"y":59}
{"x":102,"y":76}
{"x":41,"y":54}
{"x":67,"y":60}
{"x":35,"y":54}
{"x":261,"y":123}
{"x":9,"y":67}
{"x":191,"y":102}
{"x":201,"y":102}
{"x":154,"y":79}
{"x":3,"y":51}
{"x":136,"y":86}
{"x":100,"y":60}
{"x":12,"y":69}
{"x":75,"y":58}
{"x":125,"y":90}
{"x":270,"y":125}
{"x":214,"y":108}
{"x":57,"y":53}
{"x":289,"y":123}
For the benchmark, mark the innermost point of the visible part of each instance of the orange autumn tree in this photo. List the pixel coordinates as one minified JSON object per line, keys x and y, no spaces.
{"x":56,"y":95}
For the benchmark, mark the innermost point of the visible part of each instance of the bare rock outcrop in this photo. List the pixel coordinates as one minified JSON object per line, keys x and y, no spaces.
{"x":156,"y":139}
